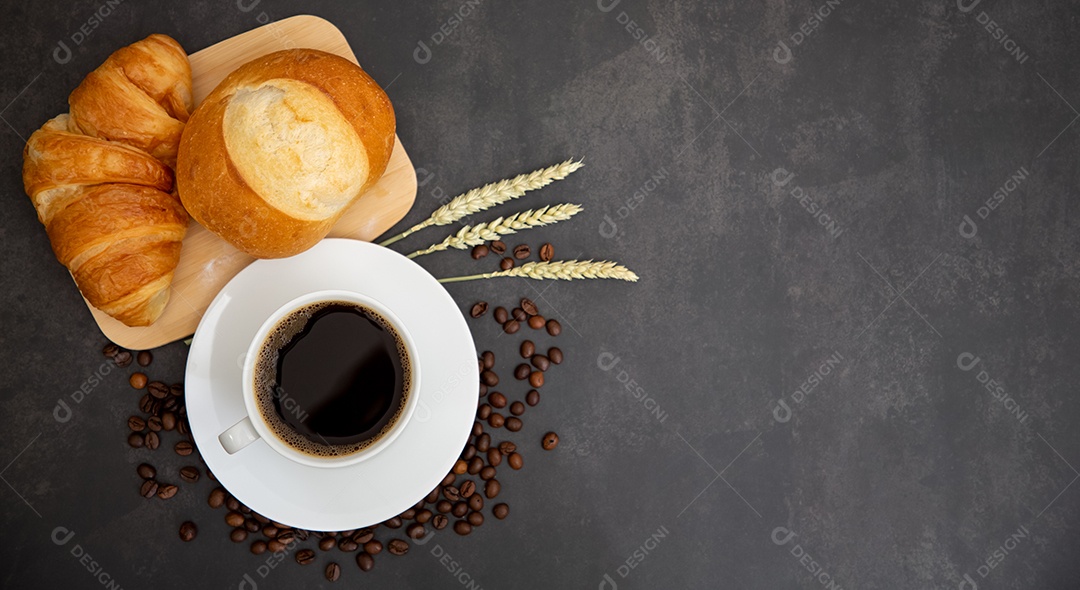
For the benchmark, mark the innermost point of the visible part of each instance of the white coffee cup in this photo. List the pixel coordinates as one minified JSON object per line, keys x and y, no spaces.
{"x":253,"y":427}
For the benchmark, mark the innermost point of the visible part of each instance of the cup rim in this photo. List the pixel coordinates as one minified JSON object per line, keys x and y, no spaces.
{"x":264,"y":430}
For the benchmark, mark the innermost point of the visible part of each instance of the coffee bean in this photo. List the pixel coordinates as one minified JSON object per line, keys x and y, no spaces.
{"x":460,"y":466}
{"x":555,"y":355}
{"x":513,"y":424}
{"x":238,"y":535}
{"x":138,"y":380}
{"x":252,"y":525}
{"x":515,"y":460}
{"x":468,"y":453}
{"x":483,"y":412}
{"x":492,"y":488}
{"x":517,"y":408}
{"x":550,"y":441}
{"x":232,"y":504}
{"x":487,"y":473}
{"x":146,"y":403}
{"x":460,"y":509}
{"x":451,"y":493}
{"x":158,"y":389}
{"x":478,"y":309}
{"x":547,"y":252}
{"x":506,"y":263}
{"x":177,"y":389}
{"x":468,"y":488}
{"x":476,"y":502}
{"x":447,"y":480}
{"x":483,"y":443}
{"x":189,"y":474}
{"x":424,"y":516}
{"x":489,"y":359}
{"x":348,"y":545}
{"x":258,"y":547}
{"x":536,"y":379}
{"x":167,"y":491}
{"x":527,"y":349}
{"x":154,"y":423}
{"x":522,"y":372}
{"x":479,"y":252}
{"x":489,"y":378}
{"x":182,"y":426}
{"x":217,"y":498}
{"x":541,"y":362}
{"x":506,"y":447}
{"x":483,"y":390}
{"x":170,"y":404}
{"x":305,"y":557}
{"x":475,"y":519}
{"x":122,"y":359}
{"x":533,"y":397}
{"x":332,"y":572}
{"x":496,"y":420}
{"x":275,"y":546}
{"x":136,"y":423}
{"x":501,"y":315}
{"x":373,"y":547}
{"x":498,"y":247}
{"x":302,"y":534}
{"x":363,"y":536}
{"x":494,"y":457}
{"x":393,"y":523}
{"x":475,"y":465}
{"x":365,"y":562}
{"x":439,"y":521}
{"x":511,"y":327}
{"x":144,"y":358}
{"x":168,"y":421}
{"x":183,"y":448}
{"x":529,"y":306}
{"x":146,"y":471}
{"x":110,"y":350}
{"x":500,"y":511}
{"x":327,"y":543}
{"x":444,"y":506}
{"x":136,"y":440}
{"x":519,"y":314}
{"x":188,"y":531}
{"x":536,"y":322}
{"x":258,"y":517}
{"x":554,"y":327}
{"x":522,"y":251}
{"x":148,"y":489}
{"x":397,"y":547}
{"x":477,"y":428}
{"x":415,"y":530}
{"x":234,"y":519}
{"x":497,"y":400}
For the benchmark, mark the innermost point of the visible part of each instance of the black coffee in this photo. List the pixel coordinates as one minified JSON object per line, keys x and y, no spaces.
{"x":332,"y":378}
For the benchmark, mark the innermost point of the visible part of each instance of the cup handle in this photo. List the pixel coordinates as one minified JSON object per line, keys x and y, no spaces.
{"x":238,"y":436}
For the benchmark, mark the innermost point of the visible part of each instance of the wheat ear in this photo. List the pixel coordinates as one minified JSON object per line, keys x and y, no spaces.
{"x":472,"y":235}
{"x":561,"y":269}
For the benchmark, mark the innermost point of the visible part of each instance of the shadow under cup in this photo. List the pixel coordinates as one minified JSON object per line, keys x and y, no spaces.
{"x":330,"y":379}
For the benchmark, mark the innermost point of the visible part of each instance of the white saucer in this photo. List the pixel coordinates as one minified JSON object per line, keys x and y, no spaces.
{"x":377,"y":488}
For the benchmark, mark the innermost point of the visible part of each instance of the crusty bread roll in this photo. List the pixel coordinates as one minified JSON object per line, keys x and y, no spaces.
{"x":281,"y":148}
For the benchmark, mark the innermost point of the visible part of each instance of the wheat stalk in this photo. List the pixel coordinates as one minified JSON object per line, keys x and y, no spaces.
{"x":472,"y":235}
{"x":491,"y":195}
{"x":560,"y":269}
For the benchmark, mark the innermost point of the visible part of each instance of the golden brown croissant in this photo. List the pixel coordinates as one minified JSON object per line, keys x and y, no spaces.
{"x":104,"y":201}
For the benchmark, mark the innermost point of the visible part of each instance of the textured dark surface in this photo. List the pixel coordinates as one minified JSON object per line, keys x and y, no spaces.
{"x":898,"y":470}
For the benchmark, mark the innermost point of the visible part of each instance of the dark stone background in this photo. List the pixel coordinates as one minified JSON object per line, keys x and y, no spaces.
{"x":897,"y":119}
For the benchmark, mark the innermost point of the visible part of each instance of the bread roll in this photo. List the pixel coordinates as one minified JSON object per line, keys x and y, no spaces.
{"x":281,"y":148}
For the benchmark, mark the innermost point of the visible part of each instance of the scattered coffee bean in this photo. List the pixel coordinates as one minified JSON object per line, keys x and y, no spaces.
{"x":110,"y":350}
{"x":547,"y":252}
{"x":554,"y":327}
{"x":533,"y":397}
{"x":167,"y":491}
{"x":501,"y":315}
{"x":478,"y":309}
{"x":517,"y":408}
{"x":188,"y":531}
{"x":348,"y":545}
{"x":177,"y":389}
{"x":238,"y":535}
{"x":527,"y":349}
{"x":555,"y":355}
{"x":536,"y":379}
{"x":136,"y":424}
{"x":475,"y":519}
{"x":184,"y":448}
{"x":513,"y":424}
{"x":451,"y":493}
{"x":468,"y":453}
{"x":536,"y":322}
{"x":460,"y":466}
{"x":492,"y":488}
{"x":498,"y":247}
{"x":397,"y":547}
{"x":373,"y":547}
{"x":515,"y":460}
{"x":365,"y":562}
{"x":158,"y":389}
{"x":415,"y":530}
{"x":541,"y":362}
{"x":327,"y":543}
{"x":122,"y":359}
{"x":232,"y":504}
{"x":217,"y":498}
{"x":154,"y":423}
{"x":144,"y":358}
{"x":496,"y":420}
{"x":522,"y":372}
{"x":444,"y":506}
{"x":483,"y":390}
{"x":136,"y":440}
{"x":393,"y":523}
{"x":529,"y":306}
{"x":424,"y":516}
{"x":475,"y":465}
{"x":497,"y":400}
{"x":506,"y":447}
{"x":258,"y":547}
{"x":146,"y":403}
{"x":189,"y":474}
{"x":138,"y":380}
{"x":522,"y":251}
{"x":519,"y":314}
{"x":252,"y":525}
{"x":462,"y":527}
{"x":168,"y":421}
{"x":476,"y":502}
{"x":305,"y":557}
{"x":477,"y":428}
{"x":448,"y":480}
{"x":483,"y":412}
{"x":506,"y":263}
{"x":494,"y":457}
{"x":511,"y":327}
{"x":332,"y":572}
{"x":363,"y":536}
{"x":146,"y":471}
{"x":439,"y":521}
{"x":489,"y":359}
{"x":479,"y":252}
{"x":468,"y":488}
{"x":148,"y":489}
{"x":483,"y":443}
{"x":234,"y":519}
{"x":500,"y":511}
{"x":487,"y":473}
{"x":550,"y":441}
{"x":460,"y":509}
{"x":489,"y":378}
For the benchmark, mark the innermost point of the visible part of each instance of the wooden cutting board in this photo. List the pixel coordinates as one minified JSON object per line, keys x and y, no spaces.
{"x":208,"y":262}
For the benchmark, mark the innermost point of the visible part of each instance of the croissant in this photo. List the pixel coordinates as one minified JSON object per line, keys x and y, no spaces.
{"x":100,"y":182}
